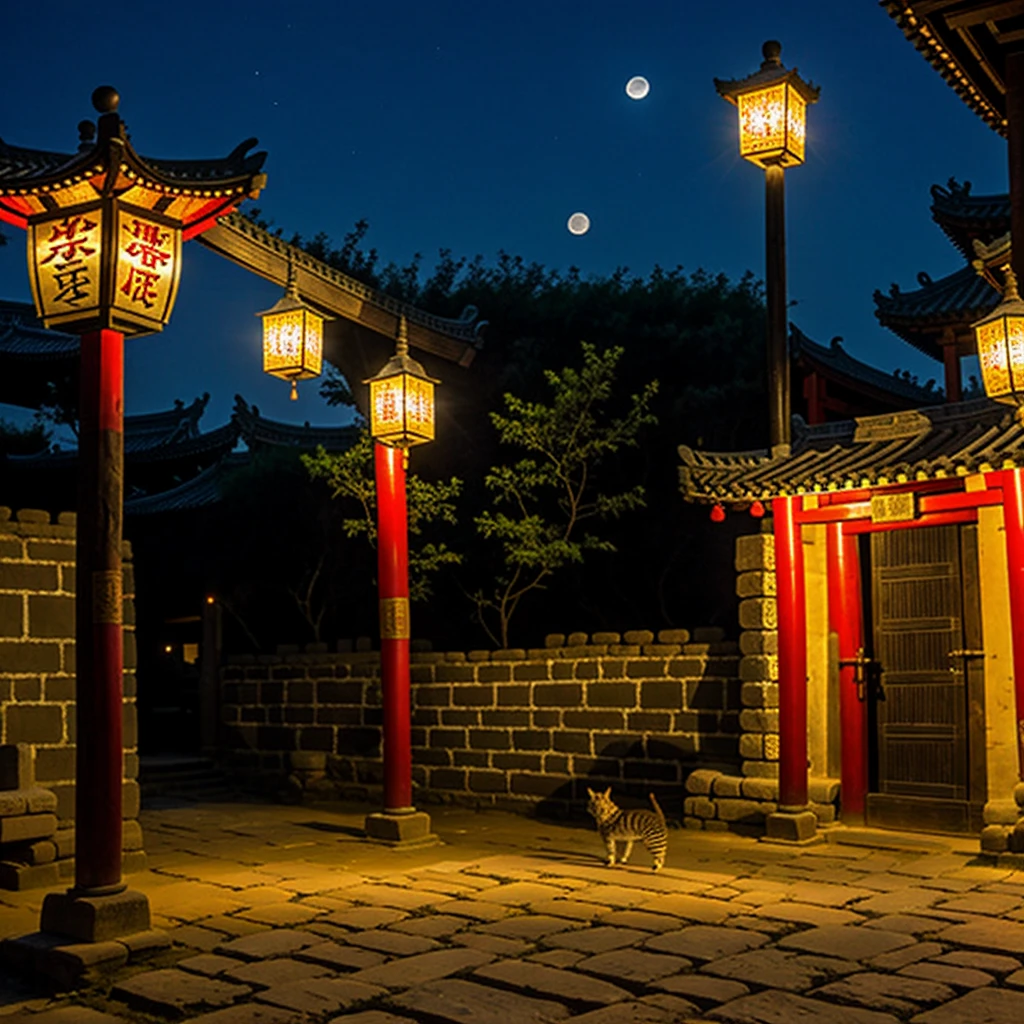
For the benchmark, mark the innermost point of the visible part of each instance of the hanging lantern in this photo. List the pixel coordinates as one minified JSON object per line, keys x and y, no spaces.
{"x":717,"y":514}
{"x":402,"y":399}
{"x":757,"y":509}
{"x":293,"y":337}
{"x":1000,"y":338}
{"x":772,"y":105}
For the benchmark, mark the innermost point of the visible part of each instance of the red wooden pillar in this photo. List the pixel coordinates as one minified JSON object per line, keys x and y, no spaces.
{"x":1013,"y":518}
{"x":98,"y":653}
{"x":393,"y":591}
{"x":792,"y":624}
{"x":845,"y":619}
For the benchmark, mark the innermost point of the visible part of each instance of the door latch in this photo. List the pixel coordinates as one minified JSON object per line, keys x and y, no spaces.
{"x":861,"y":666}
{"x":964,"y":653}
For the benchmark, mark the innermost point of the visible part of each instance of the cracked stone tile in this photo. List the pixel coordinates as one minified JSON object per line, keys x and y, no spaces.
{"x":209,"y":964}
{"x":539,"y":980}
{"x":491,"y":943}
{"x":785,"y":1007}
{"x":276,"y":971}
{"x":71,"y":1015}
{"x":991,"y":934}
{"x":690,"y":908}
{"x":251,"y":1013}
{"x":633,"y":965}
{"x":777,"y":968}
{"x":275,"y":914}
{"x":642,"y":919}
{"x":805,"y":913}
{"x":319,"y":995}
{"x":907,"y":955}
{"x":612,"y":895}
{"x":339,"y":957}
{"x":236,"y":927}
{"x":278,"y":942}
{"x":980,"y":961}
{"x":891,"y":992}
{"x":474,"y":909}
{"x":982,"y":1006}
{"x":911,"y":924}
{"x":175,"y":993}
{"x":529,"y":927}
{"x":464,"y":1002}
{"x":557,"y":957}
{"x":827,"y":895}
{"x":573,"y":908}
{"x":981,"y":903}
{"x":599,"y":939}
{"x":900,"y":901}
{"x":195,"y":937}
{"x":844,"y":941}
{"x":427,"y":967}
{"x":958,"y":977}
{"x":520,"y":894}
{"x":361,"y":918}
{"x":392,"y":943}
{"x":628,"y":1013}
{"x":704,"y":942}
{"x":433,"y":926}
{"x":701,"y":989}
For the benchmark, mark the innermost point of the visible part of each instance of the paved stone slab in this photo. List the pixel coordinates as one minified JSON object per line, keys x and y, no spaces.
{"x":557,"y":957}
{"x":691,"y":908}
{"x":374,"y":1017}
{"x":806,"y":913}
{"x":844,"y":941}
{"x":787,"y":1008}
{"x":279,"y":942}
{"x":627,"y":1013}
{"x":340,"y":957}
{"x":175,"y":993}
{"x":980,"y":903}
{"x":520,"y":894}
{"x":361,"y":918}
{"x":704,"y":991}
{"x":235,"y":927}
{"x":595,"y":940}
{"x":491,"y":943}
{"x":208,"y":964}
{"x":70,"y":1015}
{"x":536,"y":979}
{"x":319,"y":995}
{"x":418,"y":970}
{"x":433,"y":926}
{"x":911,"y":924}
{"x":251,"y":1013}
{"x":573,"y":908}
{"x":642,"y":919}
{"x":277,"y":914}
{"x":825,"y":894}
{"x":958,"y":977}
{"x":996,"y":935}
{"x":777,"y":968}
{"x":685,"y":1011}
{"x":464,"y":1002}
{"x":616,"y":895}
{"x":979,"y":961}
{"x":392,"y":896}
{"x":198,"y":938}
{"x":907,"y":955}
{"x":393,"y":943}
{"x":529,"y":926}
{"x":633,"y":965}
{"x":474,"y":909}
{"x":276,"y":971}
{"x":886,"y":992}
{"x":982,"y":1006}
{"x":900,"y":901}
{"x":703,"y":942}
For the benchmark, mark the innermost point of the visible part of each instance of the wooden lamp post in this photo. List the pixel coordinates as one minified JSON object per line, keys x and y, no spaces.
{"x":772,"y":106}
{"x":105,"y":230}
{"x":401,"y":415}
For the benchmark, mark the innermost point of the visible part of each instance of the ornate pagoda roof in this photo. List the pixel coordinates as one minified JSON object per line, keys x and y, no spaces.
{"x":258,"y":432}
{"x":918,"y":317}
{"x":837,"y":363}
{"x":966,"y":218}
{"x":965,"y":41}
{"x":207,"y":488}
{"x":23,"y":337}
{"x":921,"y":444}
{"x":193,"y":192}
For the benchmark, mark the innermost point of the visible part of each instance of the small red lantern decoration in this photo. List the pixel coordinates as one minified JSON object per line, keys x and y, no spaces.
{"x":718,"y":514}
{"x":757,"y":510}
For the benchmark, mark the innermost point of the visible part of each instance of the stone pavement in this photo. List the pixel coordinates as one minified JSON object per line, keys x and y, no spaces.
{"x":285,"y":915}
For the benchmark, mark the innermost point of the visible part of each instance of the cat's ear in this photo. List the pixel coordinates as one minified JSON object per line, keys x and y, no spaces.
{"x":591,"y":792}
{"x":608,"y":792}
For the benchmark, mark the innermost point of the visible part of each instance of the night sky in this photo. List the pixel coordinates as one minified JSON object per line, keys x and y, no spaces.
{"x":482,"y":126}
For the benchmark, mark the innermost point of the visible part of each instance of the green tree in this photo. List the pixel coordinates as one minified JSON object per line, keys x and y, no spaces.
{"x":349,"y":477}
{"x":545,"y":503}
{"x":27,"y":440}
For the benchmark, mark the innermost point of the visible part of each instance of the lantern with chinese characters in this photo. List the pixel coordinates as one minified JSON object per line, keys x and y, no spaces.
{"x":105,"y":227}
{"x":1000,"y":338}
{"x":293,"y":338}
{"x":772,"y":105}
{"x":402,"y":399}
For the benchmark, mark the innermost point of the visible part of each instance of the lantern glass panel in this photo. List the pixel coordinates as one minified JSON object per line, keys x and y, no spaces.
{"x":387,"y":407}
{"x":1000,"y":345}
{"x":293,"y":343}
{"x":419,"y":408}
{"x":148,"y":268}
{"x":65,"y":257}
{"x":773,"y":125}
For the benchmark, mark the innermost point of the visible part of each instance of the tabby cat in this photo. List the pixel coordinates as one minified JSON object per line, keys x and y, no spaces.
{"x":614,"y":824}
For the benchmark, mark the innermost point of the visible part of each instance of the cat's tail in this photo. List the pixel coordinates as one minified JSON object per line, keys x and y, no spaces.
{"x":657,"y":807}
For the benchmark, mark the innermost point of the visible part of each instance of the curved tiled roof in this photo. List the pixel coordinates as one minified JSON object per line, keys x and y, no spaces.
{"x":22,"y":335}
{"x":965,"y":217}
{"x":922,"y":444}
{"x":206,"y":488}
{"x":958,"y":299}
{"x":257,"y":431}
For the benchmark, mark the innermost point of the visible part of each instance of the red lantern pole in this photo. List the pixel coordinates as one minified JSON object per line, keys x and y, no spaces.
{"x":98,"y":654}
{"x":789,"y":589}
{"x":845,"y":619}
{"x":393,"y":591}
{"x":1013,"y":518}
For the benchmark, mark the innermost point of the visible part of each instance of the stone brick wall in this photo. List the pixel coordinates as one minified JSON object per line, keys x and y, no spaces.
{"x":37,"y":670}
{"x":508,"y":728}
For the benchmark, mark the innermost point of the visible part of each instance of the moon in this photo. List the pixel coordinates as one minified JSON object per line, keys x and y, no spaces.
{"x":637,"y":87}
{"x":579,"y":224}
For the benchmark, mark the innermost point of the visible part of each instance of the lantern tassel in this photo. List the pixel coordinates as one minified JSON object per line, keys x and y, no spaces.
{"x":295,"y":392}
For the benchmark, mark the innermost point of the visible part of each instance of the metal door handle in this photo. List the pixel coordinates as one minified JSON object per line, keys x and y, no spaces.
{"x":964,"y":653}
{"x":861,"y":665}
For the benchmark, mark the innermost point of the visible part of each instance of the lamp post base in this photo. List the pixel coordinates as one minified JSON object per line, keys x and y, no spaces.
{"x":89,"y":918}
{"x":406,"y":828}
{"x":794,"y":828}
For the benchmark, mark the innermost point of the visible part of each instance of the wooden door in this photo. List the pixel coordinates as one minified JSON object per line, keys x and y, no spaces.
{"x":927,"y":705}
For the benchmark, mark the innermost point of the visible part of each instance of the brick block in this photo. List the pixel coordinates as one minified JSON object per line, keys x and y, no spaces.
{"x":646,"y":668}
{"x":648,"y":721}
{"x":489,"y":739}
{"x":758,"y":613}
{"x":16,"y":877}
{"x":823,"y":790}
{"x":129,"y":725}
{"x":612,"y":695}
{"x":576,"y":640}
{"x":460,"y":716}
{"x":421,"y":673}
{"x":476,"y":695}
{"x":728,"y":786}
{"x":533,"y":739}
{"x":572,"y":742}
{"x":39,"y":800}
{"x":687,"y":668}
{"x":432,"y":696}
{"x":541,"y":785}
{"x":59,"y":689}
{"x":23,"y":657}
{"x":556,"y":764}
{"x":447,"y":778}
{"x":760,"y":788}
{"x":498,"y":674}
{"x":554,"y":640}
{"x":596,"y":767}
{"x":593,"y":719}
{"x":566,"y":695}
{"x":755,"y":584}
{"x":28,"y":690}
{"x":471,"y":758}
{"x":528,"y":672}
{"x":51,"y":615}
{"x":299,"y":691}
{"x":752,"y":745}
{"x":28,"y":576}
{"x":705,"y":694}
{"x":759,"y":720}
{"x":34,"y":723}
{"x":449,"y":739}
{"x":755,"y":551}
{"x":517,"y":762}
{"x":700,"y":781}
{"x":673,"y":636}
{"x":749,"y":812}
{"x":699,"y":807}
{"x":671,"y":748}
{"x":131,"y":799}
{"x":505,"y":717}
{"x":488,"y":782}
{"x":759,"y":668}
{"x":16,"y":766}
{"x":23,"y":827}
{"x":334,"y":692}
{"x":430,"y":756}
{"x":771,"y":746}
{"x":509,"y":654}
{"x":760,"y":695}
{"x":449,"y":673}
{"x":661,"y":694}
{"x":12,"y":620}
{"x":513,"y":695}
{"x":760,"y":769}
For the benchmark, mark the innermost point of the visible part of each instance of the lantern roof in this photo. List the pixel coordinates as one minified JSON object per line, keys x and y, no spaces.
{"x":771,"y":72}
{"x":944,"y":441}
{"x":193,"y":192}
{"x":401,"y":361}
{"x":920,"y":316}
{"x":966,"y":41}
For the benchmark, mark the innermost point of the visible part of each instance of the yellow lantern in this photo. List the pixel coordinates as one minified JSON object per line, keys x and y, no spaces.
{"x":772,"y":105}
{"x":1000,"y":338}
{"x":402,"y":399}
{"x":293,"y":338}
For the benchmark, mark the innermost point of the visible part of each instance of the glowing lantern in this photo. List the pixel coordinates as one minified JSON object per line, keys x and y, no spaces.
{"x":1000,"y":337}
{"x":293,"y":338}
{"x":402,"y":399}
{"x":772,"y":105}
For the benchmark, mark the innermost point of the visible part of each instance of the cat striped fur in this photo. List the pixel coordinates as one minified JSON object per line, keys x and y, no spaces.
{"x":614,"y":824}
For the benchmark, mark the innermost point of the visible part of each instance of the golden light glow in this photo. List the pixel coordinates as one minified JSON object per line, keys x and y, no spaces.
{"x":402,"y":410}
{"x":293,"y":340}
{"x":64,"y":258}
{"x":148,"y":268}
{"x":1000,"y":340}
{"x":773,"y":125}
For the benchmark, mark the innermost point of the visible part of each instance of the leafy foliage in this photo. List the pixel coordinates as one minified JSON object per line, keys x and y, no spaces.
{"x":28,"y":440}
{"x":546,"y":502}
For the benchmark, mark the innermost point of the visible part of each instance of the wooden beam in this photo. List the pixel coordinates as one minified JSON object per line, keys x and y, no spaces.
{"x":990,"y":12}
